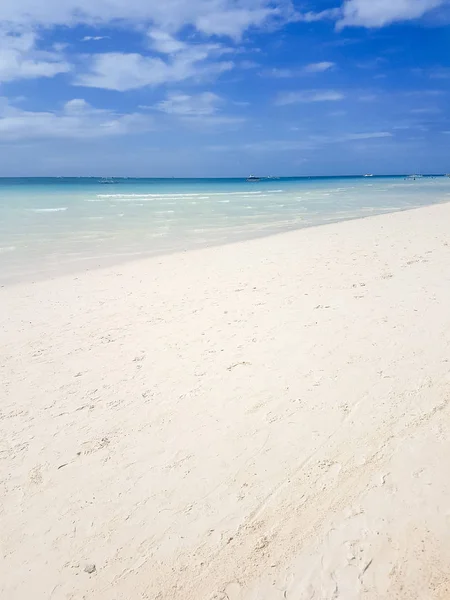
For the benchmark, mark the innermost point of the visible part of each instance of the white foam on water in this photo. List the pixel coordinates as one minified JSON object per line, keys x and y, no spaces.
{"x":7,"y":249}
{"x":100,"y":197}
{"x":48,"y":210}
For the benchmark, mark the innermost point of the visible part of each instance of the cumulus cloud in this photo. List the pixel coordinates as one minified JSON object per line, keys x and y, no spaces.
{"x":372,"y":13}
{"x":285,"y":98}
{"x":20,"y":58}
{"x":164,"y":20}
{"x":212,"y":17}
{"x":77,"y":120}
{"x":378,"y":13}
{"x":164,"y":43}
{"x":233,"y":23}
{"x":125,"y":71}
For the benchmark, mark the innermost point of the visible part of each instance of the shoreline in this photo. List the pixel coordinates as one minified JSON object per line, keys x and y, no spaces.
{"x":32,"y":277}
{"x":263,"y":420}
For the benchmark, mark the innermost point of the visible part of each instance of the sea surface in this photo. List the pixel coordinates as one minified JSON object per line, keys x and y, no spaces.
{"x":53,"y":225}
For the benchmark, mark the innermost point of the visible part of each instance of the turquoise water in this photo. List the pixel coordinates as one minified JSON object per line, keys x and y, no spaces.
{"x":53,"y":225}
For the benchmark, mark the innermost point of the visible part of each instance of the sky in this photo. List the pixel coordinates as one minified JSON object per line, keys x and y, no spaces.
{"x":223,"y":88}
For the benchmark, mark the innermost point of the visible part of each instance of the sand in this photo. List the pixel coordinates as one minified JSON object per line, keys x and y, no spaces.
{"x":266,"y":420}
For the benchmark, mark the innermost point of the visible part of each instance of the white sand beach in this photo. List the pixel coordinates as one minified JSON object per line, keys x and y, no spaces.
{"x":266,"y":420}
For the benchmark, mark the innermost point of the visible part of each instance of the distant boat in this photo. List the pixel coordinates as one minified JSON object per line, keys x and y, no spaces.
{"x":107,"y":180}
{"x":368,"y":175}
{"x":253,"y":178}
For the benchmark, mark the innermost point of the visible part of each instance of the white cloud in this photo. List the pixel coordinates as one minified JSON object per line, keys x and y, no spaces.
{"x":20,"y":59}
{"x":285,"y":98}
{"x":310,"y":69}
{"x":344,"y":137}
{"x":306,"y":143}
{"x":312,"y":17}
{"x":212,"y":17}
{"x":282,"y":73}
{"x":366,"y":136}
{"x":233,"y":23}
{"x":373,"y":13}
{"x":199,"y":110}
{"x":94,"y":38}
{"x":248,"y":64}
{"x":164,"y":43}
{"x":185,"y":105}
{"x":120,"y":71}
{"x":163,"y":18}
{"x":76,"y":120}
{"x":378,"y":13}
{"x":426,"y":110}
{"x":319,"y":67}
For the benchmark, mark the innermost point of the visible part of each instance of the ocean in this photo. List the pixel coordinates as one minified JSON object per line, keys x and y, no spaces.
{"x":54,"y":225}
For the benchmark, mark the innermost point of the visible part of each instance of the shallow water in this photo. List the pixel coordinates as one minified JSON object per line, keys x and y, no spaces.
{"x":52,"y":225}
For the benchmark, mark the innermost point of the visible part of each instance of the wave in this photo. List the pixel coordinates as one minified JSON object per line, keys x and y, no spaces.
{"x":7,"y":249}
{"x":101,"y":197}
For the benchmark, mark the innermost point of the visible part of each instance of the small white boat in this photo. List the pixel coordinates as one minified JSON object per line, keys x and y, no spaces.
{"x":368,"y":175}
{"x":253,"y":178}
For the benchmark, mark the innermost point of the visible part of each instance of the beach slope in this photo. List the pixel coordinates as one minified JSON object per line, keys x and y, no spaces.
{"x":266,"y":420}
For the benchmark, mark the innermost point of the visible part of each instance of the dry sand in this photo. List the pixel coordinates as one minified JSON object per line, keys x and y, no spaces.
{"x":263,"y":421}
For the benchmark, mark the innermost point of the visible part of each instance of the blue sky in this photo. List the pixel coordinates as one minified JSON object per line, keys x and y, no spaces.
{"x":224,"y":87}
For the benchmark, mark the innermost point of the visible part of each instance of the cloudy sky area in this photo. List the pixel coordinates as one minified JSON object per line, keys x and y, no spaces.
{"x":224,"y":87}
